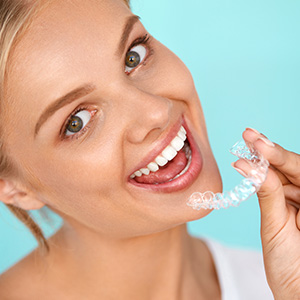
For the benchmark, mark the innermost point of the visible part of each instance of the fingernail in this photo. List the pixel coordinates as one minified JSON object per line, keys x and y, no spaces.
{"x":266,"y":141}
{"x":254,"y":130}
{"x":239,"y":170}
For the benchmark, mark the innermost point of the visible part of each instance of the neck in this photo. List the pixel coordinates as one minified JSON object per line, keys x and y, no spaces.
{"x":156,"y":266}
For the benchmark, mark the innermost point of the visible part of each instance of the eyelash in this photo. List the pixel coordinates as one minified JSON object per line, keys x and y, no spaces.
{"x":144,"y":40}
{"x":82,"y":131}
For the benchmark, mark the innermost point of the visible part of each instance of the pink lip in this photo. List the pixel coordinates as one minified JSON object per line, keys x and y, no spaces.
{"x":184,"y":180}
{"x":160,"y":147}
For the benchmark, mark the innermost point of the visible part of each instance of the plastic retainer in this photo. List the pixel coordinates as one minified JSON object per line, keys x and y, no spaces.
{"x":248,"y":186}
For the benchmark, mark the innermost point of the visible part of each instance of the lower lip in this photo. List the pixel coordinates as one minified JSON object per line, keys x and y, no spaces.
{"x":184,"y":180}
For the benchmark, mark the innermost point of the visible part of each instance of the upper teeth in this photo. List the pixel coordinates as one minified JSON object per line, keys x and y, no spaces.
{"x":166,"y":155}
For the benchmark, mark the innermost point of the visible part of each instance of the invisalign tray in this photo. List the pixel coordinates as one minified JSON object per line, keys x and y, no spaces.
{"x":249,"y":185}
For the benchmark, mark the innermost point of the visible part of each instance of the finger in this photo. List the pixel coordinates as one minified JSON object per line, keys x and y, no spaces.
{"x":284,"y":180}
{"x":294,"y":204}
{"x":274,"y":212}
{"x":298,"y":220}
{"x":285,"y":161}
{"x":292,"y":192}
{"x":251,"y":134}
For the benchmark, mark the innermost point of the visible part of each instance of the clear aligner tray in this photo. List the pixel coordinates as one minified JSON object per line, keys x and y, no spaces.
{"x":248,"y":186}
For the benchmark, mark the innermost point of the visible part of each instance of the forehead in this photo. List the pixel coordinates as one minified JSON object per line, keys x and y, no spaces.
{"x":61,"y":38}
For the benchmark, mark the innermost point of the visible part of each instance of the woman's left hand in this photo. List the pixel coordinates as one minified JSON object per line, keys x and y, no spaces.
{"x":279,"y":200}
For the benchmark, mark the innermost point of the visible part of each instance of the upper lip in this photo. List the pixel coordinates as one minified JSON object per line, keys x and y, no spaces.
{"x":160,"y":146}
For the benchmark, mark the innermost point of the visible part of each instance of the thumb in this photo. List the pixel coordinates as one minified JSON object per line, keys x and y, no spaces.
{"x":274,"y":211}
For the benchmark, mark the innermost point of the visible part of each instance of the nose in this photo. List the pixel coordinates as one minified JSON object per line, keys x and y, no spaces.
{"x":149,"y":114}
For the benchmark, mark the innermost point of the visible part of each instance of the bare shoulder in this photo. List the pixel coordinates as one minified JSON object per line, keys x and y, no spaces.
{"x":23,"y":280}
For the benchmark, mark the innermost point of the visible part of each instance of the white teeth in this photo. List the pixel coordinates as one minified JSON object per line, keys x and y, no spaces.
{"x":169,"y":153}
{"x":138,"y":173}
{"x":182,"y":135}
{"x":145,"y":171}
{"x":153,"y":167}
{"x":182,"y":129}
{"x":177,"y":143}
{"x":161,"y":161}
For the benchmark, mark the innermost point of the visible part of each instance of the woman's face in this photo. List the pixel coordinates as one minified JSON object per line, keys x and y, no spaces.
{"x":125,"y":117}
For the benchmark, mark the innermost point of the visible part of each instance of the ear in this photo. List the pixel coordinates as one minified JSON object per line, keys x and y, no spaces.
{"x":22,"y":198}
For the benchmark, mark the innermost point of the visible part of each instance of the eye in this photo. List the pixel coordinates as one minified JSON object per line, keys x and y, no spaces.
{"x":134,"y":57}
{"x":77,"y":122}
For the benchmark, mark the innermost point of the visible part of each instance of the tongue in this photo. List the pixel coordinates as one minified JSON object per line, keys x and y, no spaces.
{"x":167,"y":172}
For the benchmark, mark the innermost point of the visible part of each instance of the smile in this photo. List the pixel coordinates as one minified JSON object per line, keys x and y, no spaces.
{"x":168,"y":154}
{"x":175,"y":167}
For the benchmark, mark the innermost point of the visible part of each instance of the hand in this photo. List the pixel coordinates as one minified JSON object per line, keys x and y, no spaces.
{"x":279,"y":200}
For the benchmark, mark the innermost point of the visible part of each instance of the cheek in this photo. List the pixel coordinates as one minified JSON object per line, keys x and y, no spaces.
{"x":72,"y":175}
{"x":168,"y":76}
{"x":85,"y":188}
{"x":89,"y":192}
{"x":80,"y":177}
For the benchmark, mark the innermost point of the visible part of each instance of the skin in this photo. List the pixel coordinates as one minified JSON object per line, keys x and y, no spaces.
{"x":115,"y":235}
{"x":122,"y":240}
{"x":279,"y":200}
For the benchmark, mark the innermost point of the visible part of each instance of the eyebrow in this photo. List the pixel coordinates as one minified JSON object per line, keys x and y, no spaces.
{"x":62,"y":101}
{"x":131,"y":20}
{"x":88,"y":88}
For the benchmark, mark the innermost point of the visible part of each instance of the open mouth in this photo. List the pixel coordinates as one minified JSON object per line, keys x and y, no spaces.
{"x":173,"y":169}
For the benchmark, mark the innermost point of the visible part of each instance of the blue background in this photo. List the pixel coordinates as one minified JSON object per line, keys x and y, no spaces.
{"x":244,"y":57}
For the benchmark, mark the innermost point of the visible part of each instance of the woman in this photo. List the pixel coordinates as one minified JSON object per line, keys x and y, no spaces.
{"x":103,"y":99}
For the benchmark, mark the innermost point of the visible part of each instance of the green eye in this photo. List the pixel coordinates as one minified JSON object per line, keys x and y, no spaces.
{"x":77,"y":122}
{"x":134,"y":57}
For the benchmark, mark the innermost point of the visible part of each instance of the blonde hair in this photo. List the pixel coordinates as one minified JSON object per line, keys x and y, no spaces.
{"x":15,"y":17}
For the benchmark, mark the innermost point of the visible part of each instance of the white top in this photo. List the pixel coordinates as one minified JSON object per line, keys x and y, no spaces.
{"x":241,"y":272}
